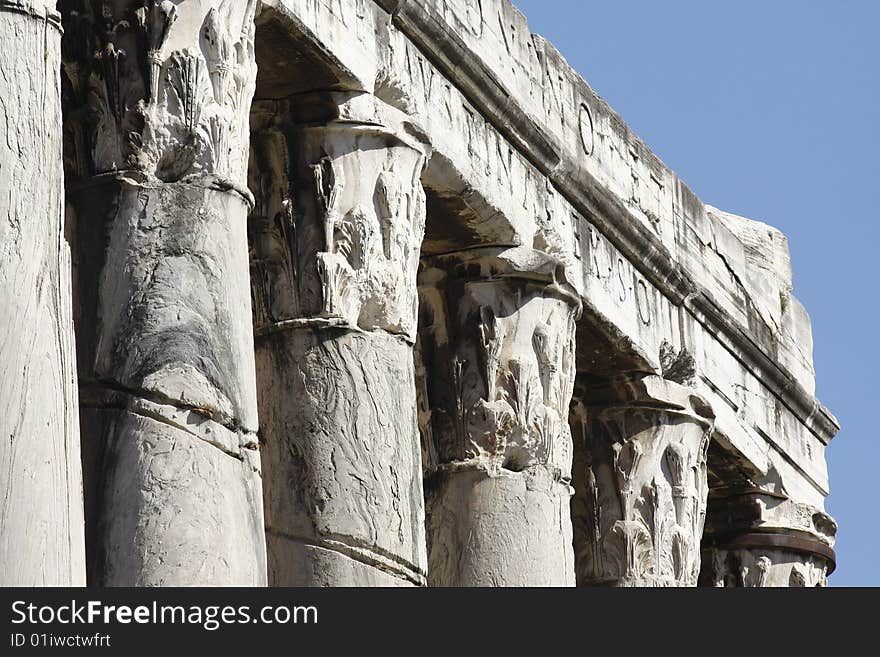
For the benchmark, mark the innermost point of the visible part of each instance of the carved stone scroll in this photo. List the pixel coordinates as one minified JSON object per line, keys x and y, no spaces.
{"x":157,"y":97}
{"x":640,"y":482}
{"x":41,"y":535}
{"x":335,"y":239}
{"x":496,"y":346}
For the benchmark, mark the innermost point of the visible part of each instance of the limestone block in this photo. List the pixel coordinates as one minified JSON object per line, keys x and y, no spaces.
{"x":796,"y":345}
{"x":766,"y":248}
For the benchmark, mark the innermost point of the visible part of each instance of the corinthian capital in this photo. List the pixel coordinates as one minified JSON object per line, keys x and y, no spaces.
{"x":340,"y":214}
{"x":756,"y":535}
{"x":164,"y":87}
{"x":499,"y":344}
{"x":640,"y":482}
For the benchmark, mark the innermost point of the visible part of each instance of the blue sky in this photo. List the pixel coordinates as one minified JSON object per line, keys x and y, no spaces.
{"x":770,"y":109}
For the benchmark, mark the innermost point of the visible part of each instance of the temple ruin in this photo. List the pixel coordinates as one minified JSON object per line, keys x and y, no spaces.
{"x":377,"y":293}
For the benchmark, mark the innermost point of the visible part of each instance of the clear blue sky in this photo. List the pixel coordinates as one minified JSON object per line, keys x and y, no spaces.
{"x":770,"y":109}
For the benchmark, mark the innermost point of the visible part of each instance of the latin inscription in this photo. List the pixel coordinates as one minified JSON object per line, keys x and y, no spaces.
{"x":618,"y":277}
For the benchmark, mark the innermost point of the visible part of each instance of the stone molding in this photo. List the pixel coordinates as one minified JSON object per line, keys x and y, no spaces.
{"x":763,"y":538}
{"x":791,"y":541}
{"x":781,"y":558}
{"x":452,"y":56}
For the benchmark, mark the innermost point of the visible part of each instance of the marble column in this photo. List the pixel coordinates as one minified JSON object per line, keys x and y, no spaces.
{"x":640,"y":481}
{"x":41,"y":513}
{"x":496,"y":346}
{"x":759,"y":538}
{"x":158,"y":98}
{"x":335,"y":250}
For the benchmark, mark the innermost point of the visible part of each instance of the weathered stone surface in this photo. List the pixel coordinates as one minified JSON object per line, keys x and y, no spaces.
{"x":178,"y":339}
{"x":386,"y":137}
{"x":174,"y":262}
{"x":341,"y":454}
{"x":41,"y":534}
{"x":335,"y":242}
{"x":160,"y":87}
{"x":762,"y":568}
{"x":157,"y":102}
{"x":497,"y":352}
{"x":529,"y":155}
{"x":758,"y":534}
{"x":331,"y":564}
{"x":178,"y":510}
{"x":492,"y":526}
{"x":640,"y":482}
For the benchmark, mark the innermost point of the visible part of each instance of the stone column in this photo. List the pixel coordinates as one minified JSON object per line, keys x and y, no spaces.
{"x":497,"y":353}
{"x":157,"y":105}
{"x":758,"y":538}
{"x":41,"y":515}
{"x":639,"y":474}
{"x":337,"y":232}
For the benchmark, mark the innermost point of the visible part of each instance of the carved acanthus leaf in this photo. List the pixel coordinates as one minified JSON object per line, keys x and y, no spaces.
{"x":654,"y":460}
{"x":154,"y":111}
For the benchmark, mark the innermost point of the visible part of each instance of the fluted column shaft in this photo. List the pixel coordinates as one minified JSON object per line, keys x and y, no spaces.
{"x":41,"y":514}
{"x":497,"y":369}
{"x":640,"y":481}
{"x":157,"y":101}
{"x":337,"y":233}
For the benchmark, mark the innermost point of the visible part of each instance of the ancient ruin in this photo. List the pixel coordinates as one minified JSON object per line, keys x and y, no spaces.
{"x":377,"y":293}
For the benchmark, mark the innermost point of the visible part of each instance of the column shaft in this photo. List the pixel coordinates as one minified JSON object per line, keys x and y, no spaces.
{"x":339,"y":224}
{"x":41,"y":515}
{"x":158,"y":101}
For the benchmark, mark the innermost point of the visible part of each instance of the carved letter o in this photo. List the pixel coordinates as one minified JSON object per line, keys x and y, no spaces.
{"x":585,"y":122}
{"x":642,"y":302}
